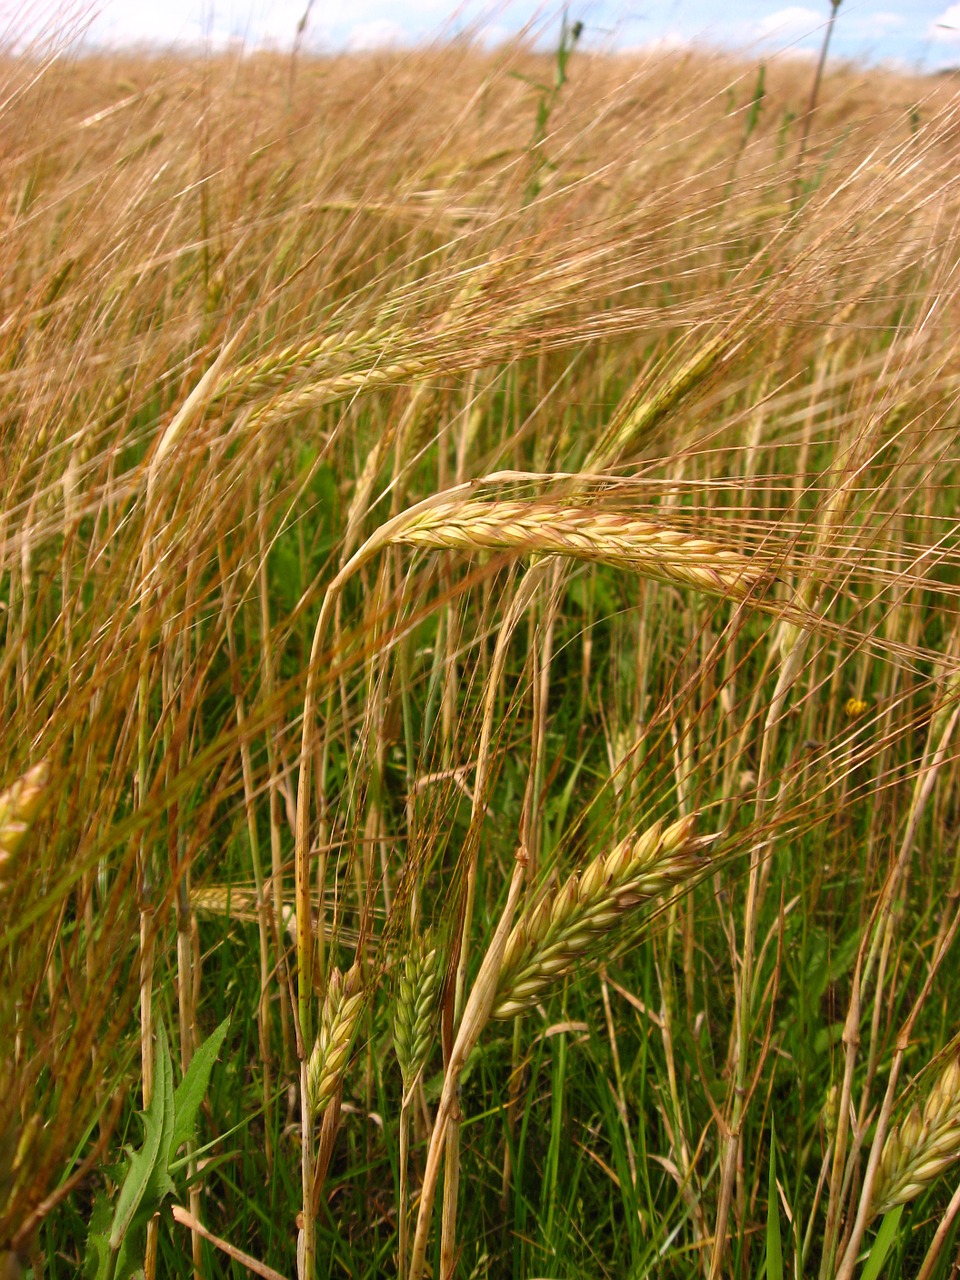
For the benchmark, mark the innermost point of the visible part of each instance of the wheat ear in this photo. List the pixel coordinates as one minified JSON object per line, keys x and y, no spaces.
{"x":556,"y":931}
{"x":339,"y":1017}
{"x":584,"y":533}
{"x":919,"y":1149}
{"x":416,"y":1014}
{"x":19,"y":805}
{"x":418,"y":1001}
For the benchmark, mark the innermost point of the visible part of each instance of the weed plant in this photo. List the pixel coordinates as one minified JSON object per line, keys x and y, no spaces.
{"x":477,"y":602}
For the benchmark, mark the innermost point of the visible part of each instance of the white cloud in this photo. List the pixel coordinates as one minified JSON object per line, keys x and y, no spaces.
{"x":45,"y":25}
{"x":882,"y":22}
{"x":793,"y":21}
{"x":495,"y":34}
{"x":799,"y":53}
{"x":382,"y":33}
{"x":201,"y":23}
{"x":670,"y":41}
{"x":947,"y":26}
{"x":217,"y":24}
{"x":872,"y":28}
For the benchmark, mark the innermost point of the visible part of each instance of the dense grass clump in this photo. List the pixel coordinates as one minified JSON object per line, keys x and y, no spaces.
{"x":478,"y":567}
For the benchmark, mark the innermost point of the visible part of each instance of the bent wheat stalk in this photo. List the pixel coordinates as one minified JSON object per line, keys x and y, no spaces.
{"x":476,"y":1015}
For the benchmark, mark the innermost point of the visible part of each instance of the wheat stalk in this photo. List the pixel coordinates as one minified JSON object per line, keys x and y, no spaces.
{"x":919,"y":1149}
{"x":342,"y":1005}
{"x":583,"y":533}
{"x":556,"y":931}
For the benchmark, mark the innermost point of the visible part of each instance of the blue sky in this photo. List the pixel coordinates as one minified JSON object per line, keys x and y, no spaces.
{"x":923,"y":34}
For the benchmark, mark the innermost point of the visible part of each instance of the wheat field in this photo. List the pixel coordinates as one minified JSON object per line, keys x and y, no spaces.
{"x":479,"y":666}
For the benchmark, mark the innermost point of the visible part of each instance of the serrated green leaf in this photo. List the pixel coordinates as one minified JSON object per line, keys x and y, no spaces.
{"x":128,"y":1264}
{"x":148,"y":1166}
{"x":193,"y":1087}
{"x":97,"y":1259}
{"x":132,"y":1250}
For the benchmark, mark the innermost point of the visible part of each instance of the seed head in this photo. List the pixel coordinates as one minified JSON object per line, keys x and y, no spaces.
{"x":554,"y":932}
{"x":922,"y":1146}
{"x":19,"y":806}
{"x":416,"y":1012}
{"x":342,"y":1005}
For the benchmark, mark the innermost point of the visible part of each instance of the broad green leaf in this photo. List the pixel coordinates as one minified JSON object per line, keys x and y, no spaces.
{"x":153,"y":1156}
{"x":774,"y":1246}
{"x":99,"y":1256}
{"x":881,"y":1246}
{"x":132,"y":1250}
{"x":192,"y":1088}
